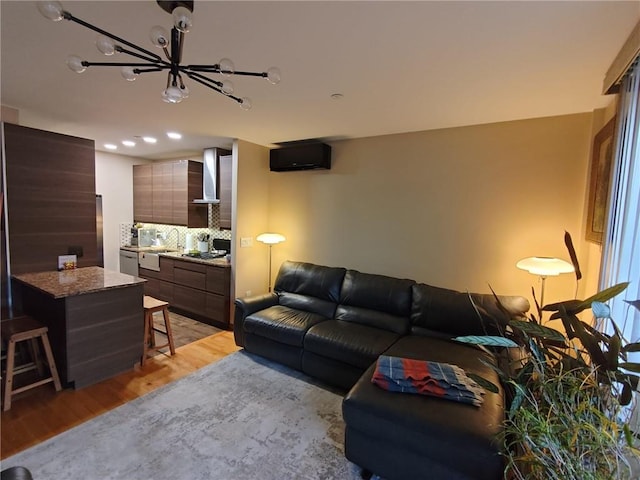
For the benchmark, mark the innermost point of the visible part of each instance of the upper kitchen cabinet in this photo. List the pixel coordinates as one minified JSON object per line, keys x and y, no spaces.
{"x":164,"y":192}
{"x":143,"y":193}
{"x":225,"y":175}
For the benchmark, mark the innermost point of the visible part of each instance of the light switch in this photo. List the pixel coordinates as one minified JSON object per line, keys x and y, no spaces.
{"x":246,"y":241}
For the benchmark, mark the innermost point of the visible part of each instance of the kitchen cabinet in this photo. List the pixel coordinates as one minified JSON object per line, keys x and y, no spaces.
{"x":199,"y":290}
{"x":143,"y":193}
{"x":163,"y":193}
{"x":225,"y":175}
{"x":50,"y":202}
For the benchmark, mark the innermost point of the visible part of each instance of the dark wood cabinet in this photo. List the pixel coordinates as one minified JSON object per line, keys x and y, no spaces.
{"x":197,"y":289}
{"x":162,"y":199}
{"x":143,"y":193}
{"x":50,"y":201}
{"x":225,"y":176}
{"x":164,"y":192}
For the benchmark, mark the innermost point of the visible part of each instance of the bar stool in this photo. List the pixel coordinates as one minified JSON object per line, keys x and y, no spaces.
{"x":151,"y":306}
{"x":18,"y":330}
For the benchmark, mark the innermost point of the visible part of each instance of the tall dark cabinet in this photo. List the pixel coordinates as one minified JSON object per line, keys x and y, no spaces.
{"x":50,"y":200}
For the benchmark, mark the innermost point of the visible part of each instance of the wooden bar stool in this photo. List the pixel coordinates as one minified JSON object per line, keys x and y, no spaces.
{"x":151,"y":306}
{"x":18,"y":330}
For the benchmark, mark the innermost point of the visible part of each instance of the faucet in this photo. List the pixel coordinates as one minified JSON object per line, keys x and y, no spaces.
{"x":178,"y":246}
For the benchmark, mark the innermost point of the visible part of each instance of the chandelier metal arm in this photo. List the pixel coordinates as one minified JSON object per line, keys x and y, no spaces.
{"x":68,"y":16}
{"x":152,"y":60}
{"x":207,"y":82}
{"x":157,"y":68}
{"x":202,"y":79}
{"x":252,"y":74}
{"x":216,"y":69}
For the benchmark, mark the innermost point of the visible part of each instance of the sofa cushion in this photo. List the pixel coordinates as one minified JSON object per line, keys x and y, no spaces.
{"x":452,"y":435}
{"x":310,"y":280}
{"x":376,"y":300}
{"x":351,"y":343}
{"x":451,"y":312}
{"x":282,"y":324}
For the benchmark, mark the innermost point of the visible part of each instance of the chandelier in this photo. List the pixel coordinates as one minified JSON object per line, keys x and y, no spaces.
{"x":172,"y":46}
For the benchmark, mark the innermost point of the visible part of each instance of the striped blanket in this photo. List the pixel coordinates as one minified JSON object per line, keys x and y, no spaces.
{"x":427,"y":378}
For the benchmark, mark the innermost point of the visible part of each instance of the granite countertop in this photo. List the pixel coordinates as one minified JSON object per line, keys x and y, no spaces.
{"x":67,"y":283}
{"x":177,"y":255}
{"x":216,"y":262}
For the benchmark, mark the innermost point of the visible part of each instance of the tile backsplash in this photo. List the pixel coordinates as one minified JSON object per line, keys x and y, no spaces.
{"x":171,"y":241}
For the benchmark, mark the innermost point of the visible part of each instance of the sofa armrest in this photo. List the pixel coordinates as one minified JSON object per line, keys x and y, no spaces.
{"x":245,"y":307}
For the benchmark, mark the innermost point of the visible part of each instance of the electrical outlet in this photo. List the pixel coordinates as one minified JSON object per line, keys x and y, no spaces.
{"x":246,"y":241}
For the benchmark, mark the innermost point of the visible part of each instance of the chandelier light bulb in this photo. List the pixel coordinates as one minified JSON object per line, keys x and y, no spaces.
{"x":74,"y":62}
{"x":159,"y":36}
{"x":128,"y":74}
{"x":182,"y":19}
{"x":172,"y":95}
{"x":226,"y":67}
{"x":184,"y":90}
{"x":227,"y":87}
{"x":51,"y":10}
{"x":273,"y":75}
{"x":105,"y":45}
{"x":245,"y":103}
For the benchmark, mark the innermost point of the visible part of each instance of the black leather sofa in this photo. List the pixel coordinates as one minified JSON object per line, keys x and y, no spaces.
{"x":333,"y":323}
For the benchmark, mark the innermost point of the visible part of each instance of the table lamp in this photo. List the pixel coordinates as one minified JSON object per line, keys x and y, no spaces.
{"x":545,"y":267}
{"x":270,"y":239}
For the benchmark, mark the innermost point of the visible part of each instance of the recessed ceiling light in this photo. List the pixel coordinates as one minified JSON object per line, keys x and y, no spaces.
{"x":174,"y":135}
{"x":110,"y":146}
{"x":337,"y":96}
{"x":129,"y":143}
{"x":150,"y":139}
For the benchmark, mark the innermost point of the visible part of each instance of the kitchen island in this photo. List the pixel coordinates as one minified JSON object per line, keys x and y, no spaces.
{"x":95,"y":320}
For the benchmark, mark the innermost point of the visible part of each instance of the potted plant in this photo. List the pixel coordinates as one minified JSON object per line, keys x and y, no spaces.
{"x":567,"y":391}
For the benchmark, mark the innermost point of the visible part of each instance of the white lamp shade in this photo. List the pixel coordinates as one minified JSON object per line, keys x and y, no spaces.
{"x":545,"y":266}
{"x":270,"y":238}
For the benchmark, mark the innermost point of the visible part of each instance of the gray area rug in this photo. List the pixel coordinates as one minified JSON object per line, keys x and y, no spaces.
{"x":240,"y":418}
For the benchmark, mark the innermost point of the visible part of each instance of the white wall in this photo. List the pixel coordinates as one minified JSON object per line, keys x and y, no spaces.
{"x":114,"y":181}
{"x":455,"y":207}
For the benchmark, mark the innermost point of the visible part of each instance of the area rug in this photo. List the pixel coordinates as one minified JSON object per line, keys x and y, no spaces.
{"x":240,"y":418}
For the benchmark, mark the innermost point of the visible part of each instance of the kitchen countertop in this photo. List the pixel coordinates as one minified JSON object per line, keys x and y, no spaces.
{"x":67,"y":283}
{"x":177,"y":255}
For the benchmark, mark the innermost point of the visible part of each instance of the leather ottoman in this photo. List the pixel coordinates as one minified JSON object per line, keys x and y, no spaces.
{"x":408,"y":436}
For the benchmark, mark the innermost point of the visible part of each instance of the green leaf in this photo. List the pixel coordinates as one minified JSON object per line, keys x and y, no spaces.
{"x":632,"y":367}
{"x":634,"y":303}
{"x":626,"y":395}
{"x":484,"y":383}
{"x":572,"y":253}
{"x":487,"y":340}
{"x":535,"y":330}
{"x":631,"y":347}
{"x":517,"y":400}
{"x":614,"y":350}
{"x":577,"y":306}
{"x":606,"y":294}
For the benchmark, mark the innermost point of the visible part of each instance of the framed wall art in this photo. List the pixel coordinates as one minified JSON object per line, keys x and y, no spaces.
{"x":600,"y":178}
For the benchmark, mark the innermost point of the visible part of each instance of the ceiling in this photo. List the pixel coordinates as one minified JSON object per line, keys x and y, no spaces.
{"x":400,"y":67}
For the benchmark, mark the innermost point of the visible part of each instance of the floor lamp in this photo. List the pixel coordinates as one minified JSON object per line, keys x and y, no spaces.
{"x":545,"y":267}
{"x":270,"y":239}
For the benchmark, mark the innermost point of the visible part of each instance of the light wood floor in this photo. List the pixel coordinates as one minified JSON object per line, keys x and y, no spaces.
{"x":41,"y":413}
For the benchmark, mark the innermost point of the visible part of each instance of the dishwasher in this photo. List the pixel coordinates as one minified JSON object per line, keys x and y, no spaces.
{"x":129,"y":262}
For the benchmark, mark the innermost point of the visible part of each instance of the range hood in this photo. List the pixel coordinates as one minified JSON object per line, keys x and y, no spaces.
{"x":209,"y":177}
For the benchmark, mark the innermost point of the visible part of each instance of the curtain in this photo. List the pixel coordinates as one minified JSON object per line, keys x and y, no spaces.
{"x":621,"y":251}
